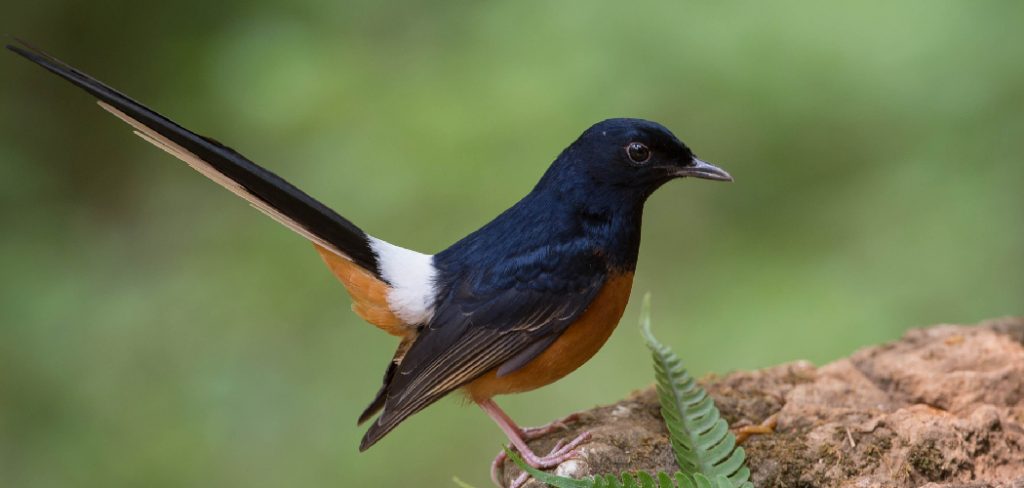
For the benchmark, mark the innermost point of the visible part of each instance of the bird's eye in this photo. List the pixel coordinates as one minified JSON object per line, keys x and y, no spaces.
{"x":638,"y":153}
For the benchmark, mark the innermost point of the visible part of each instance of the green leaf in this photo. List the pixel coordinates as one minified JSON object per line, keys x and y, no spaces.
{"x":685,"y":481}
{"x":701,"y":439}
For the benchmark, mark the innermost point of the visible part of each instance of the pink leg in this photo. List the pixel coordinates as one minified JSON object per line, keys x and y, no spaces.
{"x":531,"y":433}
{"x":558,"y":455}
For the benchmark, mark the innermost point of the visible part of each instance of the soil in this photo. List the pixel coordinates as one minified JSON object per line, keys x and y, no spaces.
{"x":943,"y":407}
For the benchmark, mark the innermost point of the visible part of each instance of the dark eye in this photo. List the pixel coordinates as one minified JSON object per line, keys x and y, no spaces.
{"x":638,"y":153}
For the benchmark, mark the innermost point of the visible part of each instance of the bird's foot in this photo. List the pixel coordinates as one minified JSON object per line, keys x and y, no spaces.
{"x":529,"y":434}
{"x":766,"y":427}
{"x":559,"y":454}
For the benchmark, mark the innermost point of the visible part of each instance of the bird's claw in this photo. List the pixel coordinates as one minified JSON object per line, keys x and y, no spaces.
{"x":560,"y":453}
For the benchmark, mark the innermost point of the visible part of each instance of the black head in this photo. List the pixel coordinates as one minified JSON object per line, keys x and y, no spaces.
{"x":634,"y":155}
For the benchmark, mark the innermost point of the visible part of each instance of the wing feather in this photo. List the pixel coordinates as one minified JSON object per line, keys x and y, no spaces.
{"x":484,"y":322}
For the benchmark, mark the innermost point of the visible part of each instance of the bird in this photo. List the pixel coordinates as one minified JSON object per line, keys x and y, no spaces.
{"x":515,"y":305}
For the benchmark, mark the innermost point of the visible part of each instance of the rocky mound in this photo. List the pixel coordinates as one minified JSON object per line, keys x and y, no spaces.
{"x":942,"y":407}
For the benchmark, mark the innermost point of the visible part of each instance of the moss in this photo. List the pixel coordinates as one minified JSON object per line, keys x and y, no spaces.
{"x":926,"y":459}
{"x":878,"y":446}
{"x":783,"y":461}
{"x":738,"y":406}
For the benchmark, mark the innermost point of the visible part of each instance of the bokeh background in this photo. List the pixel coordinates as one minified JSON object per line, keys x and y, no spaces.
{"x":156,"y":331}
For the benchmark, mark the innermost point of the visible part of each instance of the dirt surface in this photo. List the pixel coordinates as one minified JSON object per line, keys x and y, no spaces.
{"x":943,"y":407}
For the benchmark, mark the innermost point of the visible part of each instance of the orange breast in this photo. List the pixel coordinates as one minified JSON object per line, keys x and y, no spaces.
{"x":575,"y":346}
{"x":369,"y":294}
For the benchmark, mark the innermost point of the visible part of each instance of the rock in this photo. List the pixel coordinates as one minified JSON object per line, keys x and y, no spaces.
{"x":943,"y":407}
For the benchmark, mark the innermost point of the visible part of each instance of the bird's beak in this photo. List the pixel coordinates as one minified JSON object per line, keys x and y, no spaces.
{"x":705,"y":170}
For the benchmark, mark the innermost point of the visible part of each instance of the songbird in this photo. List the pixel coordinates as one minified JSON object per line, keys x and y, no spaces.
{"x":513,"y":306}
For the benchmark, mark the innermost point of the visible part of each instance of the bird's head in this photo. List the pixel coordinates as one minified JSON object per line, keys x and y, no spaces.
{"x":632,"y":155}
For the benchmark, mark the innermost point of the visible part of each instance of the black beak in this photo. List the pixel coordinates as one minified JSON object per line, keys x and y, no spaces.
{"x":705,"y":170}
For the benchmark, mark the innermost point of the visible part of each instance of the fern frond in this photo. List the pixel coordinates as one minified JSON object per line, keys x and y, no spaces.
{"x":700,"y":437}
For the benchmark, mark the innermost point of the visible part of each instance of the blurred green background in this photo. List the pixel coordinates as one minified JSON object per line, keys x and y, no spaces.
{"x":155,"y":331}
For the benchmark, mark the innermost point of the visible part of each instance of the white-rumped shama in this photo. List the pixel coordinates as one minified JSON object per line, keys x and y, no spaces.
{"x":516,"y":305}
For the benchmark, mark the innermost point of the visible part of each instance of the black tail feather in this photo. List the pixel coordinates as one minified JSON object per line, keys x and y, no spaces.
{"x":264,"y":185}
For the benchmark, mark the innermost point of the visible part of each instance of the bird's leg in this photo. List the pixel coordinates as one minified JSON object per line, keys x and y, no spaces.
{"x":516,"y":436}
{"x":559,"y":454}
{"x":531,"y":433}
{"x":766,"y":427}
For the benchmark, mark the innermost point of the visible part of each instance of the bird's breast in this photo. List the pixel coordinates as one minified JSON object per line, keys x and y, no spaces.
{"x":575,"y":346}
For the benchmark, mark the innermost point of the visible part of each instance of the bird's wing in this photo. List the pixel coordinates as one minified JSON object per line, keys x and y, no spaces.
{"x":361,"y":261}
{"x":490,"y":320}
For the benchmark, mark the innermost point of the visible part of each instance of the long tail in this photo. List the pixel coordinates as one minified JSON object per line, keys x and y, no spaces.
{"x":264,"y":190}
{"x":391,"y":287}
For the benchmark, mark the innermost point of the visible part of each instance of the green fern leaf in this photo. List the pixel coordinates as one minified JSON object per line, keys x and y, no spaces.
{"x":700,"y":437}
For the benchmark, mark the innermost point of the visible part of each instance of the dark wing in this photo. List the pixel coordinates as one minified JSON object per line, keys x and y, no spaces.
{"x":264,"y":190}
{"x":502,"y":317}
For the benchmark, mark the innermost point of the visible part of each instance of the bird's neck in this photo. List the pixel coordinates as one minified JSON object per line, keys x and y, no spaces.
{"x":608,"y":220}
{"x":551,"y":217}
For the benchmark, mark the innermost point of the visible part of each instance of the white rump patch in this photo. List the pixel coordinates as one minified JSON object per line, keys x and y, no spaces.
{"x":411,"y":275}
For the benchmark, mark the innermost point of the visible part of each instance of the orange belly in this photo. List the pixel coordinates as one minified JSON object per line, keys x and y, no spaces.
{"x":575,"y":346}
